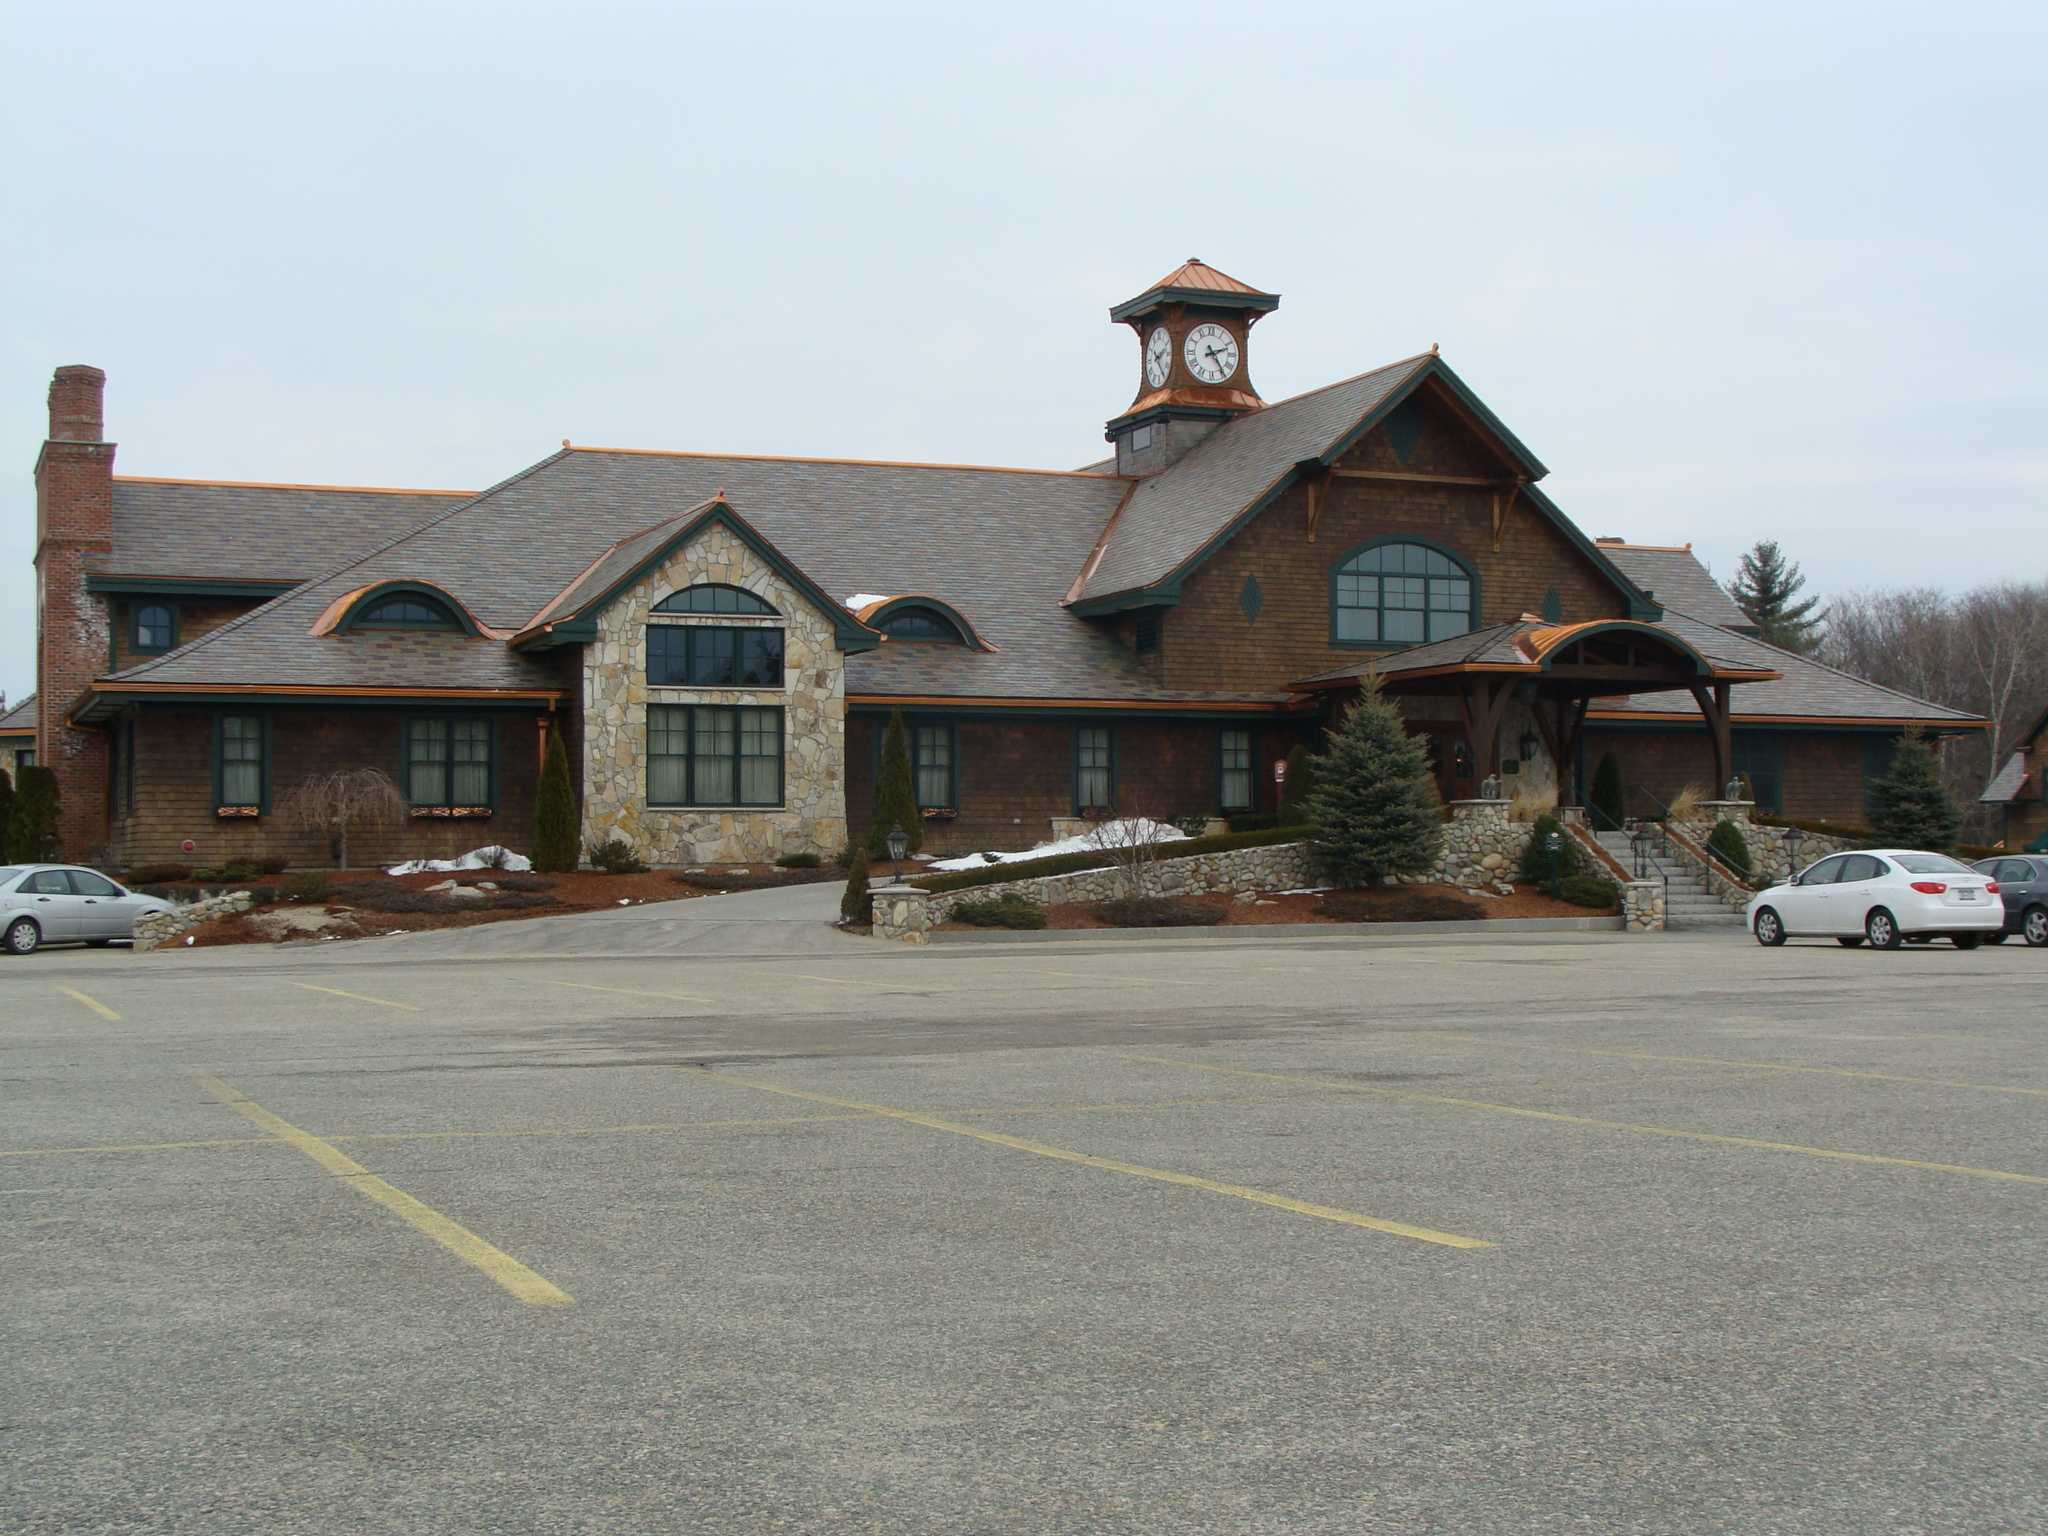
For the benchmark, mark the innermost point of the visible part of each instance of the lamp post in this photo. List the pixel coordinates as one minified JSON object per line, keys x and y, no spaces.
{"x":898,"y":841}
{"x":1641,"y":838}
{"x":1553,"y":843}
{"x":1793,"y":838}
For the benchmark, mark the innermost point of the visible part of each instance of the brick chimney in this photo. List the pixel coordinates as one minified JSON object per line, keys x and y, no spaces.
{"x":74,"y":524}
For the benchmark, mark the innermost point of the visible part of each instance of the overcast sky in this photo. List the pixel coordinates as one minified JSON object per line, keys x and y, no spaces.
{"x":1754,"y":270}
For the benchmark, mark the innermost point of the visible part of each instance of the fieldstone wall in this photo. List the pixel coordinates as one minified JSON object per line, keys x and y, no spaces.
{"x":161,"y":927}
{"x":903,"y":913}
{"x":1283,"y":866}
{"x":812,"y":817}
{"x":1481,"y":846}
{"x":1642,"y":906}
{"x":1770,"y":857}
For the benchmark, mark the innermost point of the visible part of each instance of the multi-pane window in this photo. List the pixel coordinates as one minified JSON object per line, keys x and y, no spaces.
{"x":242,"y":756}
{"x":711,"y":598}
{"x":1401,"y":594}
{"x":406,"y":613}
{"x":702,"y":754}
{"x":918,"y":624}
{"x":931,"y":763}
{"x":156,"y":627}
{"x":1094,"y":774}
{"x":713,"y":656}
{"x":1234,"y":792}
{"x":448,"y":762}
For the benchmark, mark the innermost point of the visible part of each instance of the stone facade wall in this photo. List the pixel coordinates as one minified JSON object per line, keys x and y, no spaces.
{"x":812,"y":817}
{"x":1481,"y":846}
{"x":1770,"y":859}
{"x":1643,"y":906}
{"x":1279,"y":867}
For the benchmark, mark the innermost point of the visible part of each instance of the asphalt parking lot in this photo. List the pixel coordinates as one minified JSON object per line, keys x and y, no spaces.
{"x":1557,"y":1233}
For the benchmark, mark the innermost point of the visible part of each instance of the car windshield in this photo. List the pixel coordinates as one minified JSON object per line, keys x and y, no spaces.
{"x":1930,"y":864}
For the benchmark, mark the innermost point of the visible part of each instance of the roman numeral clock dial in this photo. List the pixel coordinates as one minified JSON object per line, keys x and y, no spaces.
{"x":1158,"y":356}
{"x":1210,"y":353}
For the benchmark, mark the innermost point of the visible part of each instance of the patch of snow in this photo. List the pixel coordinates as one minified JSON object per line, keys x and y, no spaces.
{"x":860,"y":600}
{"x":476,"y":858}
{"x":1111,"y":836}
{"x":1307,"y":890}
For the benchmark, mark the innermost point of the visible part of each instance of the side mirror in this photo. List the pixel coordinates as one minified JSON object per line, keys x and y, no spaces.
{"x":1793,"y":881}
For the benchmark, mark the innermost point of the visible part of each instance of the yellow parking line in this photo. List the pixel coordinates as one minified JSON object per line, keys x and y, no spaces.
{"x":1752,"y":1142}
{"x":144,"y":1146}
{"x":94,"y":1004}
{"x":1107,"y":1164}
{"x":584,"y":986}
{"x":1751,"y":1066}
{"x":501,"y":1267}
{"x":381,"y":1002}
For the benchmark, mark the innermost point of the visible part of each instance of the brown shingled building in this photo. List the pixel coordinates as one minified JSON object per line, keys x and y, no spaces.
{"x":719,"y":639}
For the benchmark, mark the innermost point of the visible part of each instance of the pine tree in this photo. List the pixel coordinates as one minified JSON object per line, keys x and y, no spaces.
{"x":857,"y":905}
{"x":32,"y":820}
{"x":1299,"y":788}
{"x":1374,"y":807}
{"x":1765,"y":586}
{"x":895,"y":799}
{"x":1909,"y":806}
{"x":556,"y":845}
{"x":1607,"y":793}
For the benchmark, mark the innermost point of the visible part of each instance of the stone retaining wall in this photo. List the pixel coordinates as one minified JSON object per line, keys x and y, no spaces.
{"x":161,"y":927}
{"x":1279,"y":867}
{"x":1770,"y":861}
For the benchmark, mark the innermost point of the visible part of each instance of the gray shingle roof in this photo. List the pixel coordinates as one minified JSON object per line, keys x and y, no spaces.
{"x":1807,"y":689}
{"x":1172,"y":515}
{"x":1000,"y":545}
{"x":226,"y":532}
{"x":2003,"y":789}
{"x":1496,"y":645}
{"x":21,"y":716}
{"x":1677,"y":579}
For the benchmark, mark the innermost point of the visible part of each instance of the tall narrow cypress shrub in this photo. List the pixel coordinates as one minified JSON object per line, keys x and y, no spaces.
{"x":32,"y":820}
{"x":1374,"y":810}
{"x":895,"y":797}
{"x":555,"y":841}
{"x":1607,"y":795}
{"x":857,"y":905}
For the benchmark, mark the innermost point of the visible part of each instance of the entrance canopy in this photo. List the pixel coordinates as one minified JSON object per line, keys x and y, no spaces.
{"x":1557,"y":670}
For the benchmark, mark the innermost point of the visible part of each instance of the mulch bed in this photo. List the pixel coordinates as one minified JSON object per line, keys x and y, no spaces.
{"x":1528,"y":901}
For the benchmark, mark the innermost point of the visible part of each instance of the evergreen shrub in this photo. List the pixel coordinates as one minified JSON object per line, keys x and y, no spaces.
{"x":1374,"y":806}
{"x":616,"y":856}
{"x":1727,"y":843}
{"x":1535,"y":866}
{"x":1158,"y":912}
{"x":1589,"y":891}
{"x":554,"y":816}
{"x":32,"y":820}
{"x":857,"y":905}
{"x":1607,"y":796}
{"x":1010,"y":911}
{"x":1909,"y":806}
{"x":895,"y":797}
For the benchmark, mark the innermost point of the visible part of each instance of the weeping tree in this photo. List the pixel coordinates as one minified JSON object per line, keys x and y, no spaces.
{"x":346,"y":800}
{"x":1374,"y":811}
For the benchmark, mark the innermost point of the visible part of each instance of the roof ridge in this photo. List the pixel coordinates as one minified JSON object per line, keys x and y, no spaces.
{"x":1810,"y":661}
{"x":547,"y":608}
{"x":796,"y":458}
{"x":1320,"y":389}
{"x":289,"y":485}
{"x":350,"y":564}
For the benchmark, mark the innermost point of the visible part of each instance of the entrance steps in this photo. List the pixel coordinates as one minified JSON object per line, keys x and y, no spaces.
{"x":1689,"y":903}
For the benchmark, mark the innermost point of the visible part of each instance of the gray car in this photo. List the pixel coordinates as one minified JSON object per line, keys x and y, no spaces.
{"x":2023,"y":887}
{"x":63,"y":904}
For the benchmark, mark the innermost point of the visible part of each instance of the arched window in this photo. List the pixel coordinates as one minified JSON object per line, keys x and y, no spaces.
{"x":921,"y":624}
{"x":407,"y":610}
{"x":156,"y":627}
{"x":1401,"y":593}
{"x":712,"y":597}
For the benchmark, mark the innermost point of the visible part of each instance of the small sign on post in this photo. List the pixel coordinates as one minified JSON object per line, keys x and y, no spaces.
{"x":1280,"y":771}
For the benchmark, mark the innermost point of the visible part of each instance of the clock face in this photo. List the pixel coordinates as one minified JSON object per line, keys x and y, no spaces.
{"x":1158,"y":356}
{"x":1210,"y":353}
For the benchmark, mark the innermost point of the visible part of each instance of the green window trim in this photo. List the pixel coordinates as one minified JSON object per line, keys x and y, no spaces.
{"x":715,"y":655}
{"x":121,"y":767}
{"x":1236,"y":765}
{"x":241,"y":748}
{"x":461,"y":751}
{"x":1423,"y":592}
{"x":934,"y":764}
{"x":713,"y":756}
{"x":1094,"y":768}
{"x":152,"y":627}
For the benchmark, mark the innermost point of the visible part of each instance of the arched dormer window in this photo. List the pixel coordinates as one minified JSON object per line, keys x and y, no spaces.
{"x":1395,"y":592}
{"x":413,"y":606}
{"x":406,"y":612}
{"x":715,"y":597}
{"x":920,"y":623}
{"x":921,"y":618}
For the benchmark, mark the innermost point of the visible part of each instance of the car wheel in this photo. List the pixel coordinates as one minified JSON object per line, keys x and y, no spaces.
{"x":23,"y":937}
{"x":1882,"y":929}
{"x":1770,"y":928}
{"x":1854,"y":941}
{"x":2035,"y":926}
{"x":1966,"y":940}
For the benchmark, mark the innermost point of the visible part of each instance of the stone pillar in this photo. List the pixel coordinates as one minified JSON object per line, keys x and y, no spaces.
{"x":1481,"y":846}
{"x":903,"y":913}
{"x":1642,"y":906}
{"x":1737,"y":811}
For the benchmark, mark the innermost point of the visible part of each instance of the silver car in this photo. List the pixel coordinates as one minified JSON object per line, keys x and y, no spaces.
{"x":63,"y":904}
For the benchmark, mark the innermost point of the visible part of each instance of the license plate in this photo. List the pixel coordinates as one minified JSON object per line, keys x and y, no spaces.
{"x":1967,"y":895}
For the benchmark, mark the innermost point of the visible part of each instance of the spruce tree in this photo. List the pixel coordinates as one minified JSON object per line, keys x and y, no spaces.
{"x":1910,"y":808}
{"x":555,"y":842}
{"x":1607,"y":793}
{"x":1765,"y":587}
{"x":1300,"y":786}
{"x":857,"y":905}
{"x":895,"y":798}
{"x":1374,"y":807}
{"x":32,"y":820}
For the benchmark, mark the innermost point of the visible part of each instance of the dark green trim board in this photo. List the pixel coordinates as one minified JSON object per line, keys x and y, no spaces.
{"x":106,"y":702}
{"x":1077,"y":716}
{"x":1759,"y":756}
{"x":1640,"y":604}
{"x":220,"y":760}
{"x":184,"y":586}
{"x":1194,"y":298}
{"x":914,"y":729}
{"x":430,"y":596}
{"x":1118,"y":425}
{"x":1109,"y":732}
{"x":1929,"y":728}
{"x":1473,"y":609}
{"x":449,"y":722}
{"x":1251,"y":738}
{"x":692,"y":800}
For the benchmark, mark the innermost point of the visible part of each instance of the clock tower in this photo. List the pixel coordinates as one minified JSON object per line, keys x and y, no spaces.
{"x":1194,"y":330}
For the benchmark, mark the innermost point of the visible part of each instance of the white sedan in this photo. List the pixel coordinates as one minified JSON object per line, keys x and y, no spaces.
{"x":1883,"y":897}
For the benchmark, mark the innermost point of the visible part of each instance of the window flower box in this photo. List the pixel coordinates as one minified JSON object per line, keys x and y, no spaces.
{"x":939,"y":813}
{"x":229,"y":812}
{"x":450,"y":813}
